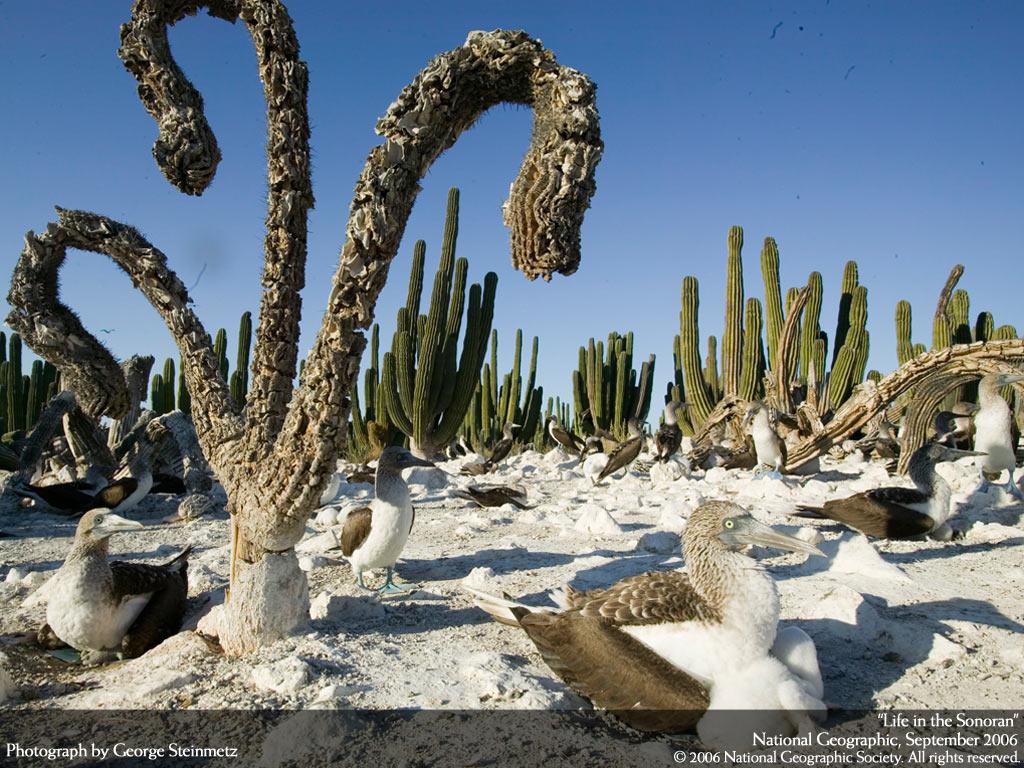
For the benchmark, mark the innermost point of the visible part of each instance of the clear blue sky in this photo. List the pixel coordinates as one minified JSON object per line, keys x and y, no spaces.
{"x":889,"y":133}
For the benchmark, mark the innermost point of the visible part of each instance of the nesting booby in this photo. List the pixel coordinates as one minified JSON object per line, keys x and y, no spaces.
{"x":563,"y":437}
{"x":882,"y":442}
{"x":652,"y":647}
{"x":475,"y":468}
{"x":901,"y":513}
{"x":503,"y":447}
{"x":994,"y":431}
{"x":493,"y":495}
{"x":374,"y":536}
{"x":109,"y":610}
{"x":769,"y":447}
{"x":669,"y":436}
{"x":624,"y":453}
{"x":954,"y":429}
{"x":591,"y":444}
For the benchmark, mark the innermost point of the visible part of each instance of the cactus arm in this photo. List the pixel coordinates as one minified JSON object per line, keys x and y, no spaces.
{"x":689,"y":352}
{"x":942,"y":332}
{"x":772,"y":297}
{"x":752,"y":352}
{"x":732,"y":335}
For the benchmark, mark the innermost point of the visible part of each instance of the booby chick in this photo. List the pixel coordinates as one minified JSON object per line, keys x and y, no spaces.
{"x":624,"y":453}
{"x":374,"y":536}
{"x":108,"y":610}
{"x":993,"y":432}
{"x":651,"y":648}
{"x":897,"y":512}
{"x":770,"y":448}
{"x":503,"y":446}
{"x":669,"y":436}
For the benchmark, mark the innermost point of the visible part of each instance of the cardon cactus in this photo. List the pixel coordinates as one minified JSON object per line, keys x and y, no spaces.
{"x":608,"y":386}
{"x":427,"y":385}
{"x":240,"y":377}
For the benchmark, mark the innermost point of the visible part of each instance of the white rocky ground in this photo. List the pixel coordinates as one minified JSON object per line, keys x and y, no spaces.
{"x":897,"y":624}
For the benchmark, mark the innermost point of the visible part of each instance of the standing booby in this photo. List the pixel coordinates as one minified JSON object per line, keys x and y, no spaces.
{"x":897,"y":512}
{"x":624,"y":453}
{"x":769,"y":447}
{"x":374,"y":536}
{"x":652,"y":647}
{"x":109,"y":610}
{"x":993,"y":432}
{"x":493,"y":495}
{"x":669,"y":436}
{"x":591,"y":444}
{"x":503,"y":446}
{"x":563,"y":437}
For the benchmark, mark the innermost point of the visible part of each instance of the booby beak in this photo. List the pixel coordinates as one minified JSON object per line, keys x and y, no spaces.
{"x":1009,"y":378}
{"x":746,"y":530}
{"x":952,"y":454}
{"x":411,"y":460}
{"x":111,"y":523}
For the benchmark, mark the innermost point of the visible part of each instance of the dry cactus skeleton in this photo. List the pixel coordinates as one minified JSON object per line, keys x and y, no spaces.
{"x":275,"y":457}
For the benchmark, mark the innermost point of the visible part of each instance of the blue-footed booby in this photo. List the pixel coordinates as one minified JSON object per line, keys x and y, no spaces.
{"x":565,"y":439}
{"x":669,"y":436}
{"x":109,"y":610}
{"x":503,"y":447}
{"x":374,"y":536}
{"x":897,"y":512}
{"x":624,"y":453}
{"x":493,"y":495}
{"x":769,"y":447}
{"x":651,"y":648}
{"x":993,"y":431}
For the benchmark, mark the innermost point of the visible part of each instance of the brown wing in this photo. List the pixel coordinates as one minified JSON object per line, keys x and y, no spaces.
{"x":881,"y":513}
{"x":648,"y":598}
{"x":117,"y":492}
{"x":616,"y":672}
{"x":142,"y":578}
{"x":357,"y":528}
{"x":622,"y":456}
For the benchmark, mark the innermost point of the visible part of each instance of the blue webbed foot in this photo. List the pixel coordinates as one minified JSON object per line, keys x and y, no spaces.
{"x":391,"y":588}
{"x":773,"y":474}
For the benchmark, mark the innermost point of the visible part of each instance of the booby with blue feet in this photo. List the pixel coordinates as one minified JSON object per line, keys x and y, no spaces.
{"x":374,"y":536}
{"x":654,"y":648}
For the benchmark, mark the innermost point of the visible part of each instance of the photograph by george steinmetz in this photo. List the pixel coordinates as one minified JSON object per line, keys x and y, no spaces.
{"x":301,"y":465}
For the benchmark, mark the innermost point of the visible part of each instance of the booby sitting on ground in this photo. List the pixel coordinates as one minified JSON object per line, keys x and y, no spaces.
{"x":565,"y":439}
{"x":954,"y":429}
{"x":770,"y":448}
{"x":652,"y":648}
{"x":374,"y":536}
{"x":493,"y":495}
{"x":624,"y":453}
{"x":901,"y":513}
{"x":994,"y":433}
{"x":108,"y":610}
{"x":669,"y":436}
{"x":503,"y":446}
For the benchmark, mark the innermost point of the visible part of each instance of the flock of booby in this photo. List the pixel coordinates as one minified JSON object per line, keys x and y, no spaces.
{"x":661,"y":649}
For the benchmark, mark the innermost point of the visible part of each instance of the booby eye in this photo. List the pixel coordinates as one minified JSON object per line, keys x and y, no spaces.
{"x":729,"y":523}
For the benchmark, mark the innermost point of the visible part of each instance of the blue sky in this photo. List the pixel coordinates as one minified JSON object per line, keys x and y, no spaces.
{"x":889,"y":133}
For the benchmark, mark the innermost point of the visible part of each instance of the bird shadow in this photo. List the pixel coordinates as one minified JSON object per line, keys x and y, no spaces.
{"x":952,"y":549}
{"x":833,"y":476}
{"x":885,"y":642}
{"x":500,"y":561}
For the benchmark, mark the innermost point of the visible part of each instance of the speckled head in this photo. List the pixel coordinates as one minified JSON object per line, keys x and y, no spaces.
{"x":723,"y":526}
{"x":395,"y":458}
{"x":100,"y":524}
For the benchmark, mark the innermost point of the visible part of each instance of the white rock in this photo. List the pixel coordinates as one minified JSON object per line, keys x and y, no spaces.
{"x":593,"y":465}
{"x":321,"y":542}
{"x":340,"y":608}
{"x":34,"y":579}
{"x":597,"y":520}
{"x":8,"y":689}
{"x":671,"y":520}
{"x":659,"y":542}
{"x":993,"y":532}
{"x":852,"y":553}
{"x":14,"y":576}
{"x":664,"y":473}
{"x":567,"y":475}
{"x":210,"y":623}
{"x":716,"y":475}
{"x":851,"y":616}
{"x":285,"y":676}
{"x":311,"y":562}
{"x":326,"y":517}
{"x":161,"y":680}
{"x":331,"y":491}
{"x":810,"y":535}
{"x":336,"y":692}
{"x":430,"y":478}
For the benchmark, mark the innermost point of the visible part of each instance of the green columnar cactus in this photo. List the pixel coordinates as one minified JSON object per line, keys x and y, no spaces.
{"x":820,"y":353}
{"x":984,"y":326}
{"x":732,"y":334}
{"x":753,"y":352}
{"x":811,"y":329}
{"x":711,"y":379}
{"x":609,"y":387}
{"x":772,"y":297}
{"x":240,"y":378}
{"x":510,"y":408}
{"x":942,"y":325}
{"x":850,"y":283}
{"x":959,"y":316}
{"x":695,"y":388}
{"x":846,"y":370}
{"x":184,"y":398}
{"x":168,"y":390}
{"x":35,"y":394}
{"x":15,"y":387}
{"x":157,"y":395}
{"x":220,"y":351}
{"x":904,"y":345}
{"x":428,"y":387}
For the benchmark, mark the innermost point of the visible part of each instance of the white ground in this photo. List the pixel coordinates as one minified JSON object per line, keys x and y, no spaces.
{"x":897,"y":624}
